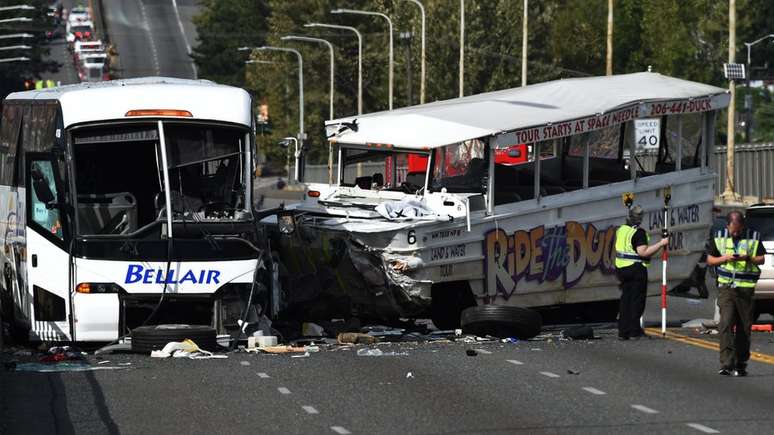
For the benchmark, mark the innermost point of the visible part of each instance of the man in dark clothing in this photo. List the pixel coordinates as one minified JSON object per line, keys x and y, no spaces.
{"x":736,"y":252}
{"x":632,"y":259}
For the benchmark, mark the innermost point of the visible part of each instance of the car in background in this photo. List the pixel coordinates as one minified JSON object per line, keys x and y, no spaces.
{"x":80,"y":31}
{"x":760,"y":217}
{"x":78,"y":14}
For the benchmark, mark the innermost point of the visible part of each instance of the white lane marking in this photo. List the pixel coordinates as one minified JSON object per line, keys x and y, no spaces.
{"x":263,"y":375}
{"x":185,"y":38}
{"x":515,"y":362}
{"x":283,"y":390}
{"x":340,"y":430}
{"x":154,"y":53}
{"x":645,"y":409}
{"x":549,"y":374}
{"x":244,"y":363}
{"x":310,"y":410}
{"x":483,"y":351}
{"x":594,"y":391}
{"x":702,"y":428}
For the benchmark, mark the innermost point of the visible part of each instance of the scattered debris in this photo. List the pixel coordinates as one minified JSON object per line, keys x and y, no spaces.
{"x":281,"y":349}
{"x":378,"y":352}
{"x":184,"y":349}
{"x":63,"y":366}
{"x":409,"y":375}
{"x":310,"y":329}
{"x":471,"y":352}
{"x":572,"y":372}
{"x":266,"y":341}
{"x":578,"y":333}
{"x":62,"y":353}
{"x":512,"y":340}
{"x":119,"y":347}
{"x":304,"y":355}
{"x":356,"y":338}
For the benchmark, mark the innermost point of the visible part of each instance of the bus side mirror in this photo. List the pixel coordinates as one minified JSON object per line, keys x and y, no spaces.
{"x":42,"y":189}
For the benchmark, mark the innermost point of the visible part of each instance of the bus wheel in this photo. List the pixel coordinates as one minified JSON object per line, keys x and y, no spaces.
{"x":448,"y":301}
{"x":501,"y":321}
{"x":148,"y":338}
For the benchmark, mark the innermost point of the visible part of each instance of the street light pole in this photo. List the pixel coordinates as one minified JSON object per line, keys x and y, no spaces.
{"x":14,"y":59}
{"x":748,"y":122}
{"x":359,"y":59}
{"x":300,"y":94}
{"x":389,"y":24}
{"x":17,"y":7}
{"x":330,"y":49}
{"x":15,"y":20}
{"x":524,"y":44}
{"x":330,"y":109}
{"x":17,"y":35}
{"x":462,"y":47}
{"x":422,"y":66}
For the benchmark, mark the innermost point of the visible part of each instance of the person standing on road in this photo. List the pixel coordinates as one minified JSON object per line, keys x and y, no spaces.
{"x":632,"y":255}
{"x":736,"y":252}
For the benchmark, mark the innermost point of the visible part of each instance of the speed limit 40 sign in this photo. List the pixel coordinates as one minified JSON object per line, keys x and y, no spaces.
{"x":647,"y":133}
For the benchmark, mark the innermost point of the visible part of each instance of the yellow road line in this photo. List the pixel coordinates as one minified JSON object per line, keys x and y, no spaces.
{"x":706,"y":344}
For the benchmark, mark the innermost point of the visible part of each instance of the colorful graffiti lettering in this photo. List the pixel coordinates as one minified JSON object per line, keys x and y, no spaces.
{"x":547,"y":254}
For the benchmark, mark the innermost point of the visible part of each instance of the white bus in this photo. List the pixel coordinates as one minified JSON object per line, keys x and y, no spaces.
{"x":88,"y":176}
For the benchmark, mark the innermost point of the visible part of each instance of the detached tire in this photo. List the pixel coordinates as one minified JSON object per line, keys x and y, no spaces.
{"x":148,"y":338}
{"x":501,"y":321}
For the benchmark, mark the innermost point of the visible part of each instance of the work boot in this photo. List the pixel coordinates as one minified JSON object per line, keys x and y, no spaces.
{"x":725,"y":372}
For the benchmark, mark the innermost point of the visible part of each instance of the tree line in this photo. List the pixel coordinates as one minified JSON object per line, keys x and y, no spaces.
{"x":567,"y":38}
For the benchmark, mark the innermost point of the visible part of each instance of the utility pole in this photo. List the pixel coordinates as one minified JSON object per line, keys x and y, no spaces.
{"x":462,"y":48}
{"x":609,"y":37}
{"x":730,"y":194}
{"x":524,"y":35}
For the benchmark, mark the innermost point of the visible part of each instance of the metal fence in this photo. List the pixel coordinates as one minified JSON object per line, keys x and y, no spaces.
{"x":753,"y":165}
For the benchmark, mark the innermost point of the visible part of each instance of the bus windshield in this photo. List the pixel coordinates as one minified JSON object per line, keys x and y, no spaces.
{"x":120,"y":182}
{"x":393,"y":170}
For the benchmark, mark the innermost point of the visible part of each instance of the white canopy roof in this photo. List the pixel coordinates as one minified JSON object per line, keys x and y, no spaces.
{"x":532,"y":113}
{"x":110,"y":100}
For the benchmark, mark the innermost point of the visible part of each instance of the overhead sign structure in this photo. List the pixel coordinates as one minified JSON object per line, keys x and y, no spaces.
{"x":647,"y":133}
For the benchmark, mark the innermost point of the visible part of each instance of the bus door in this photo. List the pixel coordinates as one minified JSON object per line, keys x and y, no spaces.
{"x":48,"y":273}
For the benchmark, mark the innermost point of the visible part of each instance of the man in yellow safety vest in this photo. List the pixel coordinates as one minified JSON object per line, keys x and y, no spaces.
{"x":736,"y":252}
{"x":632,"y":255}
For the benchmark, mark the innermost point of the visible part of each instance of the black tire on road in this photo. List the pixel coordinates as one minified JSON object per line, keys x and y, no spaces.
{"x":501,"y":321}
{"x":148,"y":338}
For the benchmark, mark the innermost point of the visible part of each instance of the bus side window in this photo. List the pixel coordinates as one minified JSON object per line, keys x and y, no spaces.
{"x":43,"y":192}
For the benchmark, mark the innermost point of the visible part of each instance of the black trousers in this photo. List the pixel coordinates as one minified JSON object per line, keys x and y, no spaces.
{"x":632,"y":306}
{"x":735,"y":326}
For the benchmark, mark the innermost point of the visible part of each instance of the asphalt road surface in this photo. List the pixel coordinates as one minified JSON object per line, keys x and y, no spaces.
{"x":153,"y":37}
{"x":542,"y":386}
{"x":537,"y":387}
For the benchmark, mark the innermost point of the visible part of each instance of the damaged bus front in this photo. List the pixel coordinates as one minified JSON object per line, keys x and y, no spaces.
{"x":132,"y":204}
{"x":426,"y":220}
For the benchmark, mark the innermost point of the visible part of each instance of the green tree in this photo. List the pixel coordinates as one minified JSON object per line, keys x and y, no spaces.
{"x":13,"y":74}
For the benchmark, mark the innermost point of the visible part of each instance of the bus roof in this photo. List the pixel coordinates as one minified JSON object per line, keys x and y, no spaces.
{"x":111,"y":100}
{"x":532,"y":113}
